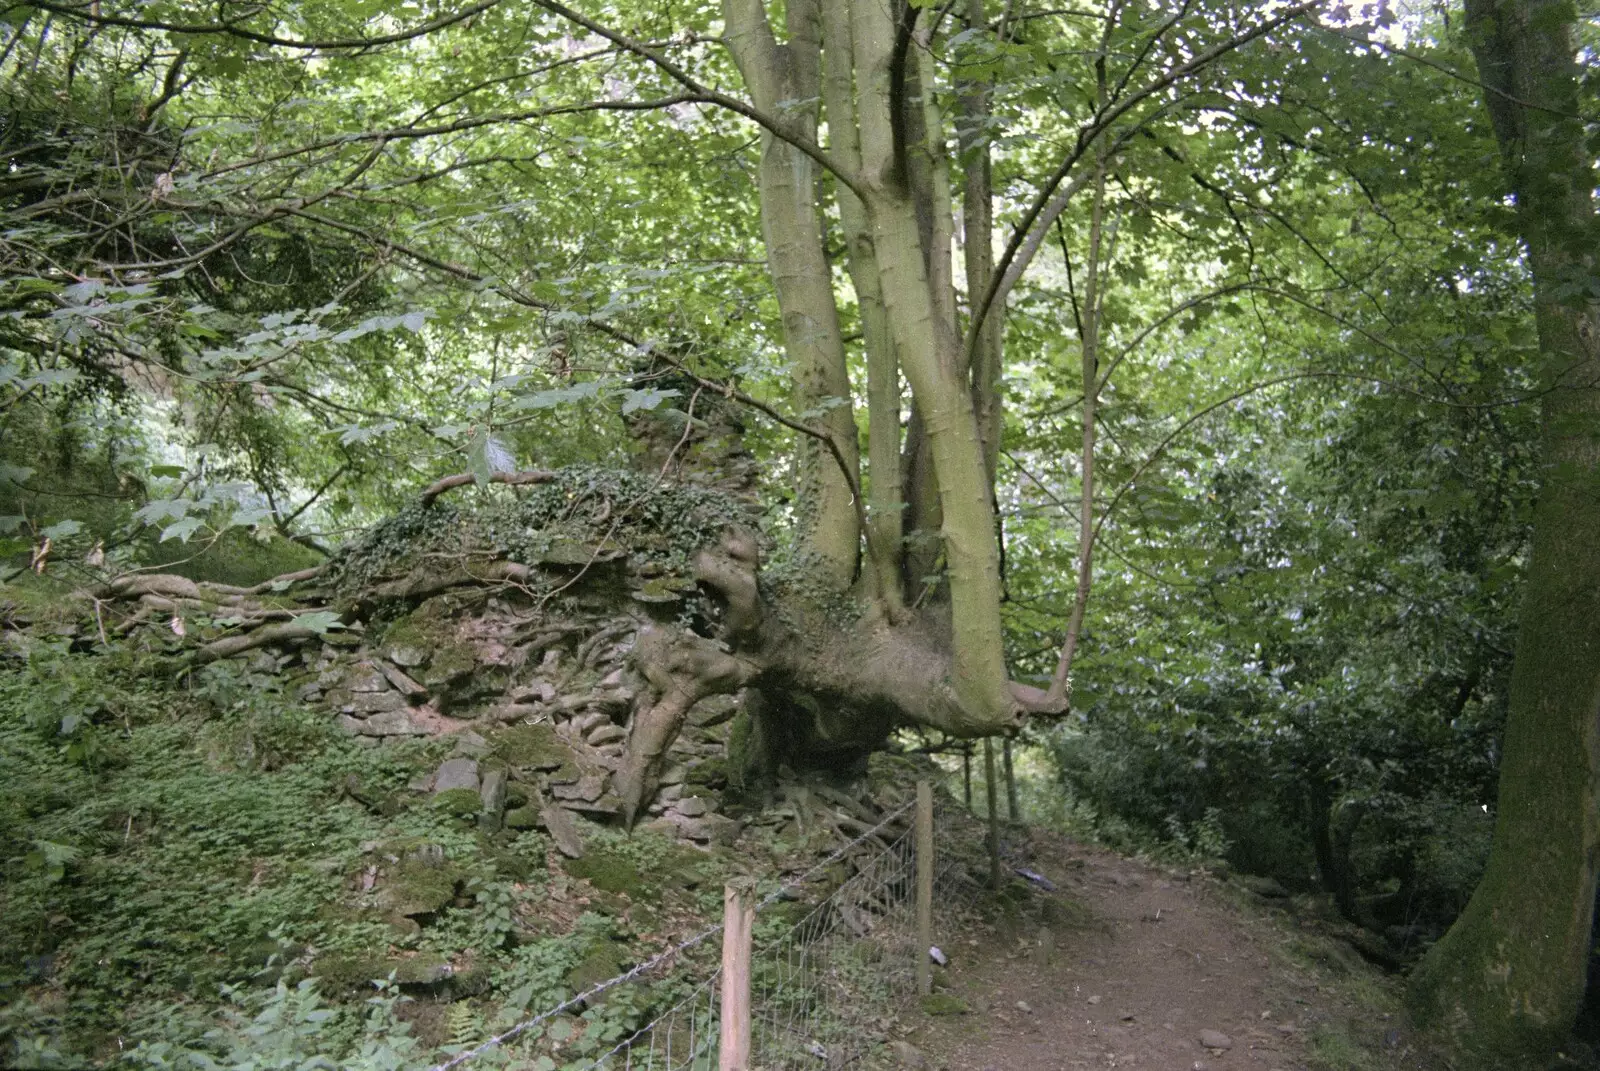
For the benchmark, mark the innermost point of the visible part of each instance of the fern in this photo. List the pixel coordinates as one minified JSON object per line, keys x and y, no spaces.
{"x":464,"y":1024}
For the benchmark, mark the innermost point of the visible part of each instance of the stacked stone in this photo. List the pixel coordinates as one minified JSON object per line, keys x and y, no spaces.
{"x":560,"y":700}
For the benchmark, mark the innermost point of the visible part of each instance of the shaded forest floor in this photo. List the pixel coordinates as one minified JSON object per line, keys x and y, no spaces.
{"x":1140,"y":966}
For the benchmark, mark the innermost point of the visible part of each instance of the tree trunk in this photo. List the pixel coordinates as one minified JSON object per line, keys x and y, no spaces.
{"x":977,"y":224}
{"x":1509,"y":977}
{"x":930,"y":354}
{"x":785,"y":81}
{"x":884,"y":500}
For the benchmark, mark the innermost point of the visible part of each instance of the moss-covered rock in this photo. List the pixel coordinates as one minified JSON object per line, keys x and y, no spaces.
{"x":534,"y":747}
{"x":349,"y":973}
{"x":522,"y":818}
{"x":608,"y":872}
{"x":943,"y":1004}
{"x":417,"y":887}
{"x":707,"y":773}
{"x":602,"y":962}
{"x":458,"y":802}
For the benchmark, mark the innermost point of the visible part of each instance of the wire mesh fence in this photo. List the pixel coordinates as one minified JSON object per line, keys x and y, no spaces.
{"x":834,"y":957}
{"x":686,"y":1037}
{"x":818,"y":982}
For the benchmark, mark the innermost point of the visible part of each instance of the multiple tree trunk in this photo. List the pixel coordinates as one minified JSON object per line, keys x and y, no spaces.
{"x":870,"y":65}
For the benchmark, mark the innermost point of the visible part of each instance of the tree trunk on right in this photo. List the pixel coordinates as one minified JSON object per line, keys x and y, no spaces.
{"x":1508,"y":979}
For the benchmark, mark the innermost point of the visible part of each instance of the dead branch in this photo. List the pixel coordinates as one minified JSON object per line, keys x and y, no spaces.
{"x":462,"y":479}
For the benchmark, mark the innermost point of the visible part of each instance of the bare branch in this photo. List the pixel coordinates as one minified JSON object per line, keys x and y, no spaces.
{"x":92,"y":14}
{"x":510,"y":479}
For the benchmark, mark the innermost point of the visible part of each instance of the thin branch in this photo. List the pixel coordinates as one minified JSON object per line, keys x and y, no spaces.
{"x":510,"y":479}
{"x":781,"y":131}
{"x":1022,"y":236}
{"x":92,"y":14}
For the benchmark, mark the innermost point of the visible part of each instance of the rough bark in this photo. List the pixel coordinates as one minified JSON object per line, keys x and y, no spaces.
{"x":1509,"y":976}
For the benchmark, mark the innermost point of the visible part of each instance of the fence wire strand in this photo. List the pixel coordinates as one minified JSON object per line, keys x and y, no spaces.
{"x":827,"y":977}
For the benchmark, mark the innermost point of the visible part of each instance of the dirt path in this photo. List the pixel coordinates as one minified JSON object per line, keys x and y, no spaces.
{"x":1143,"y":969}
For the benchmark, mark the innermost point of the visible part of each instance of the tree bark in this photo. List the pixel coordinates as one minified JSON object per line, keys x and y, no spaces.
{"x":977,"y":224}
{"x":785,"y":81}
{"x":930,"y":354}
{"x":1509,"y":976}
{"x":884,"y":501}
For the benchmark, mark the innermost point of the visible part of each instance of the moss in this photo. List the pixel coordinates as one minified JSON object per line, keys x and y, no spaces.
{"x":708,"y":773}
{"x":416,"y":888}
{"x":449,"y":661}
{"x":458,"y":802}
{"x":943,"y":1004}
{"x":602,"y":962}
{"x":608,"y":872}
{"x":739,"y":758}
{"x":1332,"y":1050}
{"x":233,"y":557}
{"x":533,"y":746}
{"x":422,"y":631}
{"x":522,"y":818}
{"x":349,"y":973}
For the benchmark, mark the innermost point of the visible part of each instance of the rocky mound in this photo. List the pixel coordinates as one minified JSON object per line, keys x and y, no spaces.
{"x":523,"y":621}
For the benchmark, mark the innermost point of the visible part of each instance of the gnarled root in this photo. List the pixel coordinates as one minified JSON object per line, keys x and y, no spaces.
{"x":682,"y":669}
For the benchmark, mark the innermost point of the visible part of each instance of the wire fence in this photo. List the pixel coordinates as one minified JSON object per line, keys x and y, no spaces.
{"x":834,"y":958}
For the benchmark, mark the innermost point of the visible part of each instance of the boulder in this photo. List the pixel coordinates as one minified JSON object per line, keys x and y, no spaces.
{"x":492,"y":793}
{"x":388,"y":723}
{"x":563,"y":829}
{"x":401,"y":683}
{"x":608,"y":733}
{"x":534,"y":747}
{"x":408,"y":656}
{"x":692,"y":807}
{"x":362,"y":704}
{"x":456,"y":773}
{"x":364,"y":677}
{"x":587,"y":789}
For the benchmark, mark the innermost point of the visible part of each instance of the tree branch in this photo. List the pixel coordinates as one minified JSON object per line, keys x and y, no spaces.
{"x":92,"y":14}
{"x":1097,"y":126}
{"x":778,"y":130}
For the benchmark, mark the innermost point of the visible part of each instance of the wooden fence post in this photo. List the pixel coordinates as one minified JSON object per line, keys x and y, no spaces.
{"x":966,"y":773}
{"x":924,"y":886}
{"x":994,"y":812}
{"x":1013,"y":808}
{"x":738,"y":920}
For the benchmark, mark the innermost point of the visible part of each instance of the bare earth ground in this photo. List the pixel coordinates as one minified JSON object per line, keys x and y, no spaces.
{"x":1148,"y":959}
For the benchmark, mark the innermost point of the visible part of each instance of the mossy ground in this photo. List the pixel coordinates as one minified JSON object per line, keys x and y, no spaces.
{"x":163,"y":841}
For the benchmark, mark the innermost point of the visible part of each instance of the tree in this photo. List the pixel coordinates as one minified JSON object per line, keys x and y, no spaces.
{"x":1509,"y":977}
{"x":895,"y":88}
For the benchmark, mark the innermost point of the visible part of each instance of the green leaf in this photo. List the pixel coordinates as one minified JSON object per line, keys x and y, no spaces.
{"x":548,"y":399}
{"x":182,"y":530}
{"x":319,"y":621}
{"x":16,"y":474}
{"x":648,"y":398}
